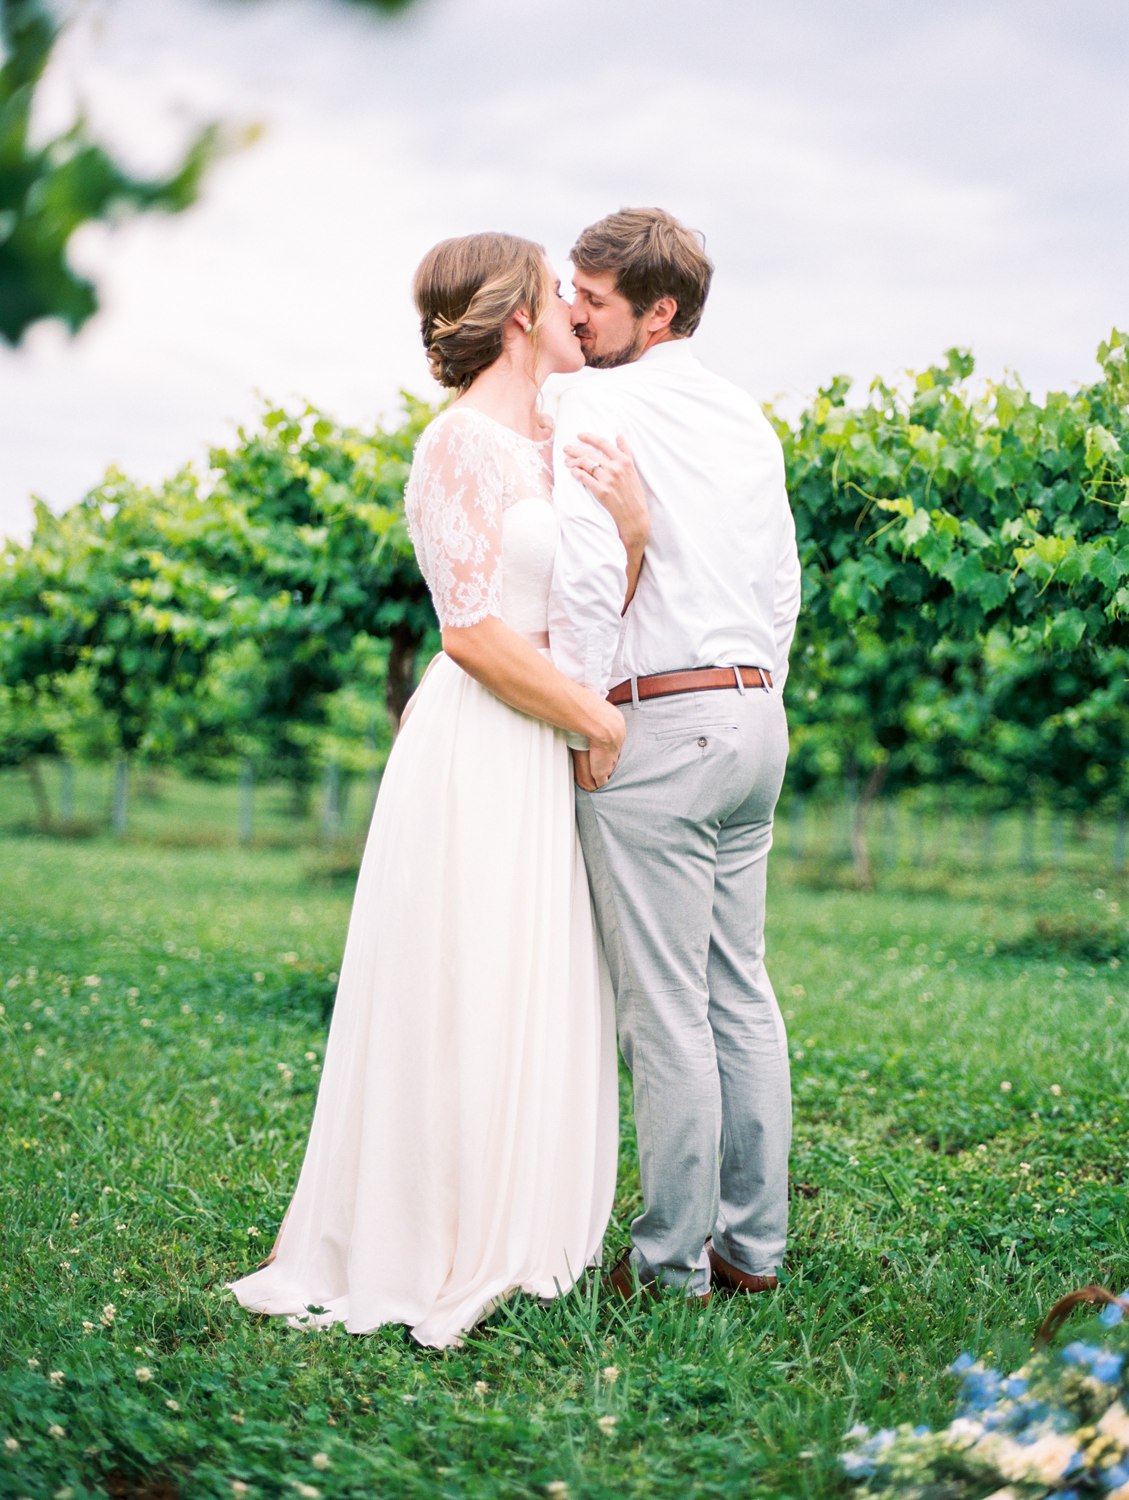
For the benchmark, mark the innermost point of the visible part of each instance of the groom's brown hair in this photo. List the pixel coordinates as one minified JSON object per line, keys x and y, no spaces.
{"x":653,"y":256}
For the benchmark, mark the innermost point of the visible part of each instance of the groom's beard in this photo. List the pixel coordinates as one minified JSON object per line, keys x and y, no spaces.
{"x":626,"y":355}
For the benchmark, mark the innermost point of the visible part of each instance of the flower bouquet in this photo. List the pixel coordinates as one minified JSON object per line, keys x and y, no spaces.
{"x":1058,"y":1427}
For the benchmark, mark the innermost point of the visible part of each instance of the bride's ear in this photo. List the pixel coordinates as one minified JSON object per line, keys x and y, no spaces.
{"x":523,"y":320}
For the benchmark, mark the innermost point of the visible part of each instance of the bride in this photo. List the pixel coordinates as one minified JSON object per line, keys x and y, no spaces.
{"x":465,"y":1135}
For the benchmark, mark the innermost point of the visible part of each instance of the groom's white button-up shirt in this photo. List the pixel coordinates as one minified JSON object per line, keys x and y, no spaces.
{"x":720,"y":584}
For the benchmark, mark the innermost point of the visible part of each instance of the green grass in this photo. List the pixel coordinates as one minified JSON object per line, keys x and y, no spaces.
{"x":961,"y":1066}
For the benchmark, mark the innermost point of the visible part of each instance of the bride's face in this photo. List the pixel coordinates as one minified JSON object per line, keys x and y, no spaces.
{"x":559,"y":351}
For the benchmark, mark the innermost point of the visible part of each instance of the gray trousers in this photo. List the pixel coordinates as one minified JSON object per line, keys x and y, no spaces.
{"x":676,"y":846}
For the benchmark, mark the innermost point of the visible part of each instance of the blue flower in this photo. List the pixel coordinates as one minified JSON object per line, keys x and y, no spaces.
{"x":1015,"y":1386}
{"x":857,"y":1466}
{"x":980,"y":1389}
{"x":961,"y":1363}
{"x":1028,"y":1418}
{"x":1111,"y":1314}
{"x":1113,"y":1478}
{"x":1107,"y":1368}
{"x":861,"y":1463}
{"x":1029,"y":1412}
{"x":1100,"y":1362}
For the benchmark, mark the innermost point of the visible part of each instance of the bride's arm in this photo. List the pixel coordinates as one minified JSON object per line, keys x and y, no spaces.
{"x":516,"y":672}
{"x":454,"y":504}
{"x":607,"y":471}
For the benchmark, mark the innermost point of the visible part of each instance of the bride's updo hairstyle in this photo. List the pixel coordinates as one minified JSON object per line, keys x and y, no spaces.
{"x":466,"y":290}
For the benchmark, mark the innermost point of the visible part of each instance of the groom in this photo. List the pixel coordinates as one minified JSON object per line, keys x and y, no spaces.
{"x":677,"y":841}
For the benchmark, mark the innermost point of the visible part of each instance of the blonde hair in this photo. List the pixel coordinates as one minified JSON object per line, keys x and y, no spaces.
{"x":653,"y":256}
{"x":466,"y":290}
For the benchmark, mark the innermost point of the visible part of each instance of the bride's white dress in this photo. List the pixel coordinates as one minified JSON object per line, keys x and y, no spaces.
{"x":464,"y":1139}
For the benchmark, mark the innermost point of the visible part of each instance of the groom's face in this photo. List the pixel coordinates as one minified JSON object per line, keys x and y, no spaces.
{"x":604,"y":321}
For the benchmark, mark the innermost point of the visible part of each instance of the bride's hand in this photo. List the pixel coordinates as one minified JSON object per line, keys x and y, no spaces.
{"x":607,"y":471}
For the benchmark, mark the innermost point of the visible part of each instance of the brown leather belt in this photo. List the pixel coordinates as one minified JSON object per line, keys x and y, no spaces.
{"x":694,"y":680}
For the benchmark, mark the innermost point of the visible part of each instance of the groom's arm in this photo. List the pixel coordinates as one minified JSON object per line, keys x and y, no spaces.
{"x":590,"y":570}
{"x":786,"y":597}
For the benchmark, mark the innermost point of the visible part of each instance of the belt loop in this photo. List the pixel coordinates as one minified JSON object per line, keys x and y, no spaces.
{"x":740,"y":681}
{"x":635,"y":692}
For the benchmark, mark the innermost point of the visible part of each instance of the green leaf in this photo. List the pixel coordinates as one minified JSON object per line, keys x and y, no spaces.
{"x":1066,"y":630}
{"x":1051,"y":549}
{"x":1106,"y":566}
{"x":915,"y":528}
{"x":901,"y":506}
{"x":1101,"y":447}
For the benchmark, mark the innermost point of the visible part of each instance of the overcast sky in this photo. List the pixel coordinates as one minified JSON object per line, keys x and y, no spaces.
{"x":877,"y":181}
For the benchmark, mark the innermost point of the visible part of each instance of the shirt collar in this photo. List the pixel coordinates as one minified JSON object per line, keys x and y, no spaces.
{"x":672,"y":354}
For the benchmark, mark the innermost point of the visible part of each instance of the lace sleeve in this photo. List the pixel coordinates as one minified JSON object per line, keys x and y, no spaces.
{"x":453,"y":504}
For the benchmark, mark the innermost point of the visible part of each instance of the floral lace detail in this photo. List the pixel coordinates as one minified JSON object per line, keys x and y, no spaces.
{"x":467,"y":471}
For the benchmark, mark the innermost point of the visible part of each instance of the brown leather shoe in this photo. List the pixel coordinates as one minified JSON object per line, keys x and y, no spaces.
{"x":729,"y":1278}
{"x":623,"y":1282}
